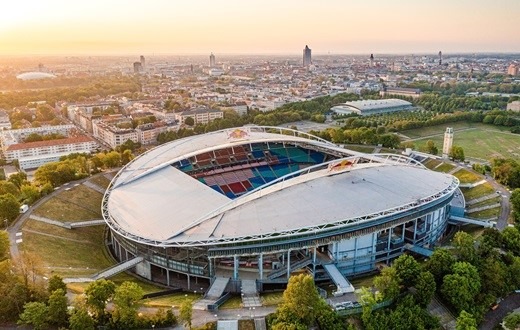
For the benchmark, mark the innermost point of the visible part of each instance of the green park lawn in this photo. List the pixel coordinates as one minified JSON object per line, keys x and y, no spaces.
{"x":486,"y":214}
{"x":478,"y":141}
{"x":431,"y":163}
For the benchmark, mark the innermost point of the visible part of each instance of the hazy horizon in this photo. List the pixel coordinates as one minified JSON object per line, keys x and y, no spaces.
{"x":232,"y":27}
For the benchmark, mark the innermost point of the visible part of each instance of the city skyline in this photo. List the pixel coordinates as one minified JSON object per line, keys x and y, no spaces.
{"x":58,"y":27}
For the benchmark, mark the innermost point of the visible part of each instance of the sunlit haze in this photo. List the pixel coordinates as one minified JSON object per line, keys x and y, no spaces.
{"x":258,"y":27}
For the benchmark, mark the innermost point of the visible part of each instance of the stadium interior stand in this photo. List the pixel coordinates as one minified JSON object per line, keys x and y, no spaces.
{"x":234,"y":171}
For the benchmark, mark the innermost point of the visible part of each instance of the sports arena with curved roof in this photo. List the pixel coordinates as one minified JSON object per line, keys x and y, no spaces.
{"x":372,"y":107}
{"x":259,"y":203}
{"x":35,"y":75}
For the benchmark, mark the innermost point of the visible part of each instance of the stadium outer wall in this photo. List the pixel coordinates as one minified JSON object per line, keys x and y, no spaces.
{"x":353,"y":250}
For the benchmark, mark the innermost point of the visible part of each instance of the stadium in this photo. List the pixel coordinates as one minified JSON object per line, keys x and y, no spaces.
{"x":372,"y":107}
{"x":246,"y":207}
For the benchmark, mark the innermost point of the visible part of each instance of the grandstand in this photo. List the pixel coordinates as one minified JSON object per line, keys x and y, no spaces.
{"x":372,"y":107}
{"x":263,"y":202}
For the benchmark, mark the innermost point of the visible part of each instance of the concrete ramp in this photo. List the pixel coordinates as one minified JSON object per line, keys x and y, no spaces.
{"x":419,"y":250}
{"x":227,"y":325}
{"x":260,"y":324}
{"x":250,"y":297}
{"x":89,"y":223}
{"x":460,"y":220}
{"x":343,"y":286}
{"x":118,"y":268}
{"x":217,"y":288}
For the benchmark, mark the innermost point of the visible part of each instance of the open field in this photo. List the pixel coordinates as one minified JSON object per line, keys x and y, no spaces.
{"x":466,"y":176}
{"x":478,"y":140}
{"x":175,"y":299}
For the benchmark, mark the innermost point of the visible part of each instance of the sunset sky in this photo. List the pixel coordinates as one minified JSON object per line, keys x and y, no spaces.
{"x":73,"y":27}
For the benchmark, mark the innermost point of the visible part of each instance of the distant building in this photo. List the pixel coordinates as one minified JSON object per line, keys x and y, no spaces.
{"x":201,"y":115}
{"x":212,"y":62}
{"x":514,"y":106}
{"x":34,"y":154}
{"x":371,"y":107}
{"x":141,"y":59}
{"x":5,"y":123}
{"x":410,"y":92}
{"x":112,"y":135}
{"x":215,"y":72}
{"x":512,"y":69}
{"x":448,"y":142}
{"x":307,"y":57}
{"x":138,"y":67}
{"x":147,"y":133}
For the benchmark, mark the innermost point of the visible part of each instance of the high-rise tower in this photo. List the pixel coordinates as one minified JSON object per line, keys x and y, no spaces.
{"x":211,"y":60}
{"x":307,"y":57}
{"x":141,"y":59}
{"x":440,"y":57}
{"x":448,"y":142}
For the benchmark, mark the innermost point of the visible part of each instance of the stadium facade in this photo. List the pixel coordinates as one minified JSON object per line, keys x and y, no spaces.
{"x":264,"y":202}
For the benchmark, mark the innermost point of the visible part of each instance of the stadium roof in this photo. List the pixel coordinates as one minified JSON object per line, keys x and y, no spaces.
{"x":370,"y":105}
{"x":35,"y":75}
{"x":161,"y":204}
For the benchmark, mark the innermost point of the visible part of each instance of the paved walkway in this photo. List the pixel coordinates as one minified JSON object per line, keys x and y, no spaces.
{"x":506,"y":306}
{"x":50,"y":221}
{"x":94,"y":186}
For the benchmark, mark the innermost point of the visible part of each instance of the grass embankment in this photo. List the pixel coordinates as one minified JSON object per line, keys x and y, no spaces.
{"x":101,"y":181}
{"x":466,"y":176}
{"x":80,"y":203}
{"x":431,"y":163}
{"x":477,"y":191}
{"x":444,"y":167}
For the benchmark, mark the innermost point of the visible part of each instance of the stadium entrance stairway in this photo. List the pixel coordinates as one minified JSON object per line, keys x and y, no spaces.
{"x":119,"y":268}
{"x":343,"y":286}
{"x":419,"y":250}
{"x":214,"y":293}
{"x":250,"y":297}
{"x":294,"y":266}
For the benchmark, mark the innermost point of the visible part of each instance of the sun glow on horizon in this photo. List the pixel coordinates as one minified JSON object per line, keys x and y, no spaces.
{"x":268,"y":26}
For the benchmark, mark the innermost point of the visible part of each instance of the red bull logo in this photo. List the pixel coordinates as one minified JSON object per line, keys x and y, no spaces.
{"x":339,"y":166}
{"x":238,"y":134}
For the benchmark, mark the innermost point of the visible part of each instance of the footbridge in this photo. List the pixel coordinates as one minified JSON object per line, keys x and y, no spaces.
{"x":454,"y":220}
{"x":343,"y":286}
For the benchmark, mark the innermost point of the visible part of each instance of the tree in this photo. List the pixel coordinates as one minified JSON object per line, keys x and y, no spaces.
{"x":461,"y":287}
{"x":431,"y":148}
{"x":7,"y":187}
{"x":185,"y":313}
{"x":515,"y":204}
{"x":18,"y":178}
{"x":388,"y":283}
{"x":407,"y":269}
{"x":425,"y":286}
{"x":80,"y":320}
{"x":4,"y":245}
{"x":126,"y":157}
{"x":189,"y":121}
{"x":466,"y":321}
{"x":300,"y":299}
{"x":57,"y":310}
{"x":35,"y":314}
{"x":126,"y":303}
{"x":440,"y":264}
{"x":465,"y":246}
{"x":512,"y":320}
{"x":112,"y":159}
{"x":456,"y":153}
{"x":98,"y":293}
{"x":9,"y":207}
{"x":29,"y":194}
{"x":55,"y":283}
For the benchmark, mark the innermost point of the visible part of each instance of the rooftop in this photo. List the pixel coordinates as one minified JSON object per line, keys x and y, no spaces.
{"x":49,"y":143}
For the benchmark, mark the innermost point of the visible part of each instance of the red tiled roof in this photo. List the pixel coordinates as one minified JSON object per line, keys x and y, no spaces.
{"x":49,"y":143}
